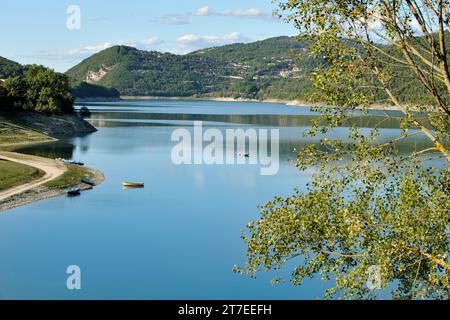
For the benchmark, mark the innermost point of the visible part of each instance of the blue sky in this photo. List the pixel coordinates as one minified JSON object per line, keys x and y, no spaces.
{"x":37,"y":32}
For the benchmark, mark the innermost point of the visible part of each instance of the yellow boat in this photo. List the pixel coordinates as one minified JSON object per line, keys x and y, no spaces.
{"x":133,"y":184}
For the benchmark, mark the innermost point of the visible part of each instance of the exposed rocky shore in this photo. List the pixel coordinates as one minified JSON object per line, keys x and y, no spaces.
{"x":54,"y":126}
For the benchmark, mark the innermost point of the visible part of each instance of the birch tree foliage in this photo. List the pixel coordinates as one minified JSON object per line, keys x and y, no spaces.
{"x":369,"y":206}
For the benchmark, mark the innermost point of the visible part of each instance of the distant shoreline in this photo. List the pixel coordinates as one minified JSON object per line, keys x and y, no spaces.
{"x":293,"y":103}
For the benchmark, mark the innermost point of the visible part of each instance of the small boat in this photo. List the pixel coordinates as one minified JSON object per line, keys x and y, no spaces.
{"x":73,"y":192}
{"x":65,"y":161}
{"x":77,"y":163}
{"x":133,"y":184}
{"x":88,"y":182}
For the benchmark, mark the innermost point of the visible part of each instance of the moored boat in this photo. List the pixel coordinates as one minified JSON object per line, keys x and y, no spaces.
{"x":88,"y":182}
{"x":77,"y":163}
{"x":73,"y":192}
{"x":133,"y":184}
{"x":65,"y":161}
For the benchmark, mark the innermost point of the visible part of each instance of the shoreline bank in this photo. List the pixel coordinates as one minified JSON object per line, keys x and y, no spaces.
{"x":42,"y":193}
{"x":293,"y":103}
{"x":37,"y":190}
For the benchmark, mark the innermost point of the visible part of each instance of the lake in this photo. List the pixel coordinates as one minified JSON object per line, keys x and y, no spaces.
{"x":179,"y":237}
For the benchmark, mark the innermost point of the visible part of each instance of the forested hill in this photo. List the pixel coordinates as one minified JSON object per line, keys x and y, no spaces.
{"x":276,"y":68}
{"x":270,"y":68}
{"x":9,"y":69}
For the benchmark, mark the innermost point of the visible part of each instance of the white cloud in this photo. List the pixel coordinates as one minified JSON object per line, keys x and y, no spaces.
{"x":250,"y":12}
{"x":377,"y":28}
{"x":153,"y":41}
{"x":73,"y":53}
{"x":85,"y":52}
{"x":191,"y":42}
{"x":149,"y":43}
{"x":193,"y":38}
{"x":174,"y":20}
{"x":203,"y":11}
{"x":255,"y":13}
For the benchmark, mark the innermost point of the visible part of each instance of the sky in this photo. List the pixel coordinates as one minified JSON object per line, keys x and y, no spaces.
{"x":59,"y":34}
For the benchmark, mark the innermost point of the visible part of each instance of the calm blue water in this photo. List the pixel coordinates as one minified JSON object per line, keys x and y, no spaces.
{"x":176,"y":239}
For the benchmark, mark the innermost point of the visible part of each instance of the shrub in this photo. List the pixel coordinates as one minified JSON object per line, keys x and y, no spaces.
{"x":84,"y":112}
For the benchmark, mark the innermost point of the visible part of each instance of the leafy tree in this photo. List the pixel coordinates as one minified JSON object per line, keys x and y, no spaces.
{"x":15,"y":89}
{"x":3,"y":98}
{"x":40,"y":89}
{"x":47,"y":91}
{"x":368,"y":207}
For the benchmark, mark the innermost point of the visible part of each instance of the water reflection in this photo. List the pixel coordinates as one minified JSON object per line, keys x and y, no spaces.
{"x":59,"y":149}
{"x":117,"y":119}
{"x":189,"y":216}
{"x":291,"y":139}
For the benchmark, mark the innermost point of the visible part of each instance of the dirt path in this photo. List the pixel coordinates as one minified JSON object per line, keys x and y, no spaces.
{"x":52,"y":169}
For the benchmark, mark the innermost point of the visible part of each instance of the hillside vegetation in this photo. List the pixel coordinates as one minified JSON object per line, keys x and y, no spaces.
{"x":38,"y":89}
{"x":10,"y":68}
{"x":79,"y":89}
{"x":276,"y":68}
{"x":90,"y":90}
{"x":269,"y":68}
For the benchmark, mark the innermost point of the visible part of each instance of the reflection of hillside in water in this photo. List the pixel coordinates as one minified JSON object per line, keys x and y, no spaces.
{"x":49,"y":150}
{"x":291,"y":138}
{"x":374,"y":121}
{"x":119,"y":127}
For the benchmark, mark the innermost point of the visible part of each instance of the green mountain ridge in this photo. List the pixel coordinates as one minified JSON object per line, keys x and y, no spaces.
{"x":275,"y":68}
{"x":265,"y":69}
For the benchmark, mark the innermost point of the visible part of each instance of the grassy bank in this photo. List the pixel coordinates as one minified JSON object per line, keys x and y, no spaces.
{"x":11,"y":134}
{"x":14,"y":174}
{"x":71,"y":178}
